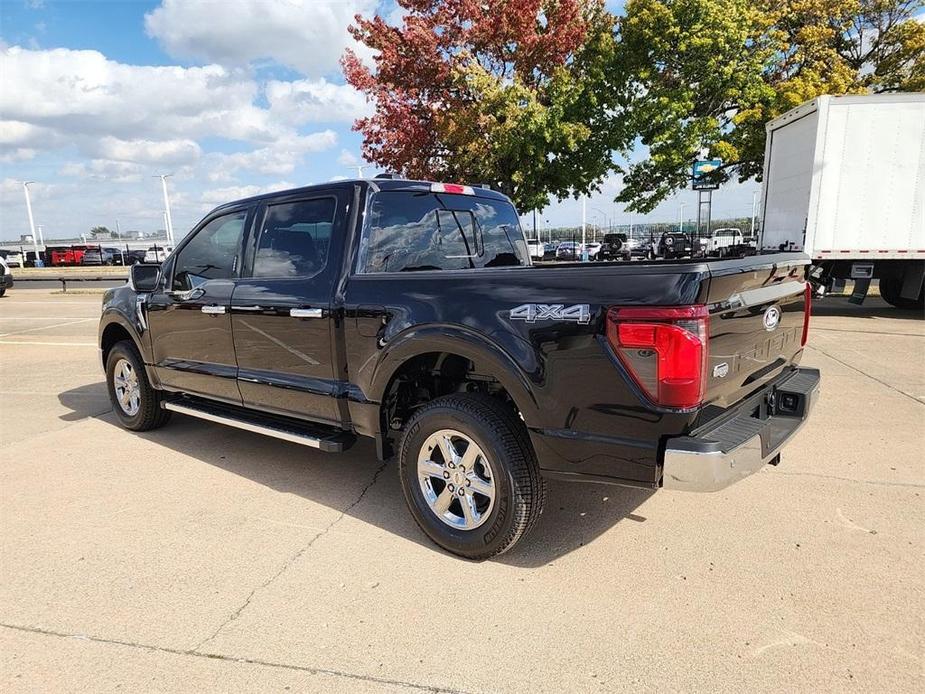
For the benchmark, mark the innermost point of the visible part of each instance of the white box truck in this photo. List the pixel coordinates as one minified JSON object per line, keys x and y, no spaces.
{"x":844,"y":182}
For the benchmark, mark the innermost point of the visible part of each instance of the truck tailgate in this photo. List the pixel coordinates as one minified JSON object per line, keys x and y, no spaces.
{"x":758,"y":306}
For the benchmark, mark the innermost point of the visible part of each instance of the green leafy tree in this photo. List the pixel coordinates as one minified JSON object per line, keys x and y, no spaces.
{"x":98,"y":231}
{"x":708,"y":74}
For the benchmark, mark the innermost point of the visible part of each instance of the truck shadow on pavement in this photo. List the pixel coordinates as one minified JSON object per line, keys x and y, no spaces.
{"x":357,"y":485}
{"x":873,"y":307}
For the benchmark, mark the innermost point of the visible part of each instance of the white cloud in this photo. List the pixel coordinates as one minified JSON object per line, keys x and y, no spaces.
{"x":308,"y":100}
{"x":307,"y":35}
{"x":104,"y":169}
{"x":219,"y":196}
{"x":347,"y":158}
{"x":84,"y":93}
{"x":144,"y":115}
{"x":149,"y":151}
{"x":279,"y":158}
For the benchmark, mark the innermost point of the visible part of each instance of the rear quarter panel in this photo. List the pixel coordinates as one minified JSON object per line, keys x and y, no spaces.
{"x":560,"y":373}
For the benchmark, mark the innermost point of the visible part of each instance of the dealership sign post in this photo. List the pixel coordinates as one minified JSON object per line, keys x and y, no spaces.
{"x":705,"y":182}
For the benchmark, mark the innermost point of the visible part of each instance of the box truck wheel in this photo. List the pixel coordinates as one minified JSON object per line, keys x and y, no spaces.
{"x":890,"y":288}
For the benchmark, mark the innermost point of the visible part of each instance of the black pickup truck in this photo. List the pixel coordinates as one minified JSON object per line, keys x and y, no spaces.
{"x":409,"y":312}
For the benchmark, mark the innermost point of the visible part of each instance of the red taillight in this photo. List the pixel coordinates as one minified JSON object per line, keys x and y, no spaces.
{"x":807,"y":312}
{"x":664,"y":350}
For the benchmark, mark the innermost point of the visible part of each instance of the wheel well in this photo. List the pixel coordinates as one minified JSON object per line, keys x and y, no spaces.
{"x":112,"y":334}
{"x":426,"y":377}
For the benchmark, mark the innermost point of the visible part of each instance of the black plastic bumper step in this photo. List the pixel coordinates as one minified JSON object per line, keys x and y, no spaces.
{"x":327,"y":439}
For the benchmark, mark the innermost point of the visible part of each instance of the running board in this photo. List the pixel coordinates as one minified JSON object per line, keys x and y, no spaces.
{"x":314,"y":436}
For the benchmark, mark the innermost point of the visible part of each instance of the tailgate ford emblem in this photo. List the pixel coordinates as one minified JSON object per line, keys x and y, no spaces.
{"x":771,"y":318}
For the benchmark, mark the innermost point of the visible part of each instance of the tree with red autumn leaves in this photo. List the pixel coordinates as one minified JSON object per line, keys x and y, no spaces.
{"x":507,"y":92}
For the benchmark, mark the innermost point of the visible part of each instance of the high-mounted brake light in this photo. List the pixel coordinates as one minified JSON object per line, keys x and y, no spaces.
{"x":664,"y":349}
{"x":453,"y":188}
{"x":807,"y":312}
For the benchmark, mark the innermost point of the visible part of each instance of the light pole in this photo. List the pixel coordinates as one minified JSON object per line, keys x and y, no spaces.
{"x":359,"y":168}
{"x":681,"y":218}
{"x":754,"y":211}
{"x":168,"y":221}
{"x":35,"y":239}
{"x":584,"y":216}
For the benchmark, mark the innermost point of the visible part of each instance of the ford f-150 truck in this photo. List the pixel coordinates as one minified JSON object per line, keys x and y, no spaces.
{"x":409,"y":312}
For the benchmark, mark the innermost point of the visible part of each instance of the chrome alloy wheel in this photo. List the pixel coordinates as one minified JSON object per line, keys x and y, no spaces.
{"x":128,"y":392}
{"x":456,"y":479}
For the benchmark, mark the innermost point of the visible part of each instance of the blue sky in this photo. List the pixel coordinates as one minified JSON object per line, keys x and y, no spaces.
{"x":232,"y":97}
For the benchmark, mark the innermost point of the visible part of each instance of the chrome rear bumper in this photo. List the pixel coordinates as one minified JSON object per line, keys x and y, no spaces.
{"x":740,"y":444}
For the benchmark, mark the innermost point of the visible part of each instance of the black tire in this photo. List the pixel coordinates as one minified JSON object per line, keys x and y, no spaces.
{"x":519,"y":487}
{"x":3,"y":291}
{"x":150,"y":414}
{"x":890,"y":288}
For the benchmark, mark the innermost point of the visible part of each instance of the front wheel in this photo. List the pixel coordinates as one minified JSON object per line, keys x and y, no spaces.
{"x":470,"y":476}
{"x":136,"y":403}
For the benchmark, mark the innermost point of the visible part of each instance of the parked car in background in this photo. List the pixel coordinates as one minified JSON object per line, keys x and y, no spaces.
{"x":68,"y":256}
{"x":673,"y":245}
{"x":537,"y":249}
{"x":6,"y":279}
{"x":119,"y":256}
{"x":157,"y":254}
{"x":134,"y":256}
{"x":594,"y":250}
{"x":97,"y":256}
{"x":720,"y":241}
{"x":12,"y":258}
{"x":612,"y":247}
{"x":568,"y":250}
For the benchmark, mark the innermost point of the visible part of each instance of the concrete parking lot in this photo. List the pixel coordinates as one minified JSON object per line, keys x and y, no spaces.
{"x":198,"y":557}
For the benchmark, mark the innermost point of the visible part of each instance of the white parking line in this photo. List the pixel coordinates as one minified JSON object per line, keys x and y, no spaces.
{"x":60,"y":303}
{"x":48,"y":327}
{"x":38,"y":317}
{"x":49,"y":344}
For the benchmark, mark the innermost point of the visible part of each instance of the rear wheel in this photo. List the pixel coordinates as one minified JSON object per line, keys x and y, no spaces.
{"x":136,"y":403}
{"x":890,"y":290}
{"x":469,"y":475}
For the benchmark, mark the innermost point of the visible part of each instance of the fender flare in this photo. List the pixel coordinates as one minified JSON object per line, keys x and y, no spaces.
{"x":113,"y":316}
{"x":517,"y":374}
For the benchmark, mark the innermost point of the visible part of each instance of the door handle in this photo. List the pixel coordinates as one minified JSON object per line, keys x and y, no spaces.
{"x":306,"y":312}
{"x":213,"y":310}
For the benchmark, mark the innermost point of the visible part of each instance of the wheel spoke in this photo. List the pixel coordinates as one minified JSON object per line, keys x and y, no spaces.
{"x":479,"y":486}
{"x":470,"y":513}
{"x":448,"y":449}
{"x":431,"y":468}
{"x":471,"y":455}
{"x":443,"y":501}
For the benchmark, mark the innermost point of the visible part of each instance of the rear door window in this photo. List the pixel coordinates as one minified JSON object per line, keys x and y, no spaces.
{"x":294,"y":238}
{"x":411,"y":231}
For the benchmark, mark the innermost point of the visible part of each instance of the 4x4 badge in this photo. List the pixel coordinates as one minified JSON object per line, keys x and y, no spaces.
{"x":579,"y":313}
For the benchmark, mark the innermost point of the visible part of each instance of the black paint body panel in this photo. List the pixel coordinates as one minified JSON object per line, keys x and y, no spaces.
{"x":584,"y":414}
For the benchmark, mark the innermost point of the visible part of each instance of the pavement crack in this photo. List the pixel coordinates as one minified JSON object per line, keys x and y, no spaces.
{"x":291,"y":560}
{"x":882,"y":483}
{"x":864,"y":373}
{"x":192,"y":653}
